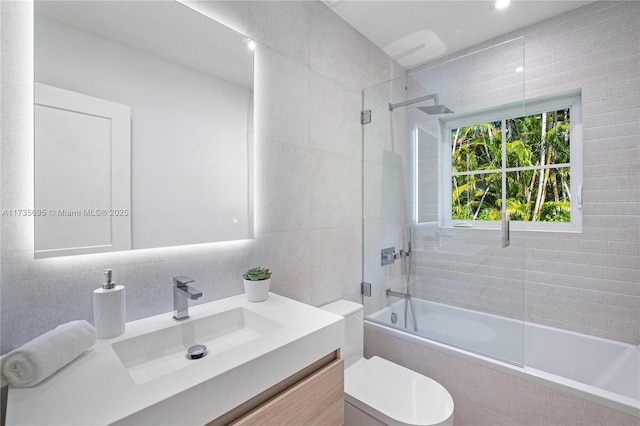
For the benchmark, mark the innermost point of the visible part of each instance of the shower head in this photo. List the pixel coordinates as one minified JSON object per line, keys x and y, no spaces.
{"x":435,"y":109}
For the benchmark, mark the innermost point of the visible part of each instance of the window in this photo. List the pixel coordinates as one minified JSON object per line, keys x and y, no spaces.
{"x":525,"y":160}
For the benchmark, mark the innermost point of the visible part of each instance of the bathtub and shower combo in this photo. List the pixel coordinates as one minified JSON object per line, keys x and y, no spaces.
{"x":601,"y":370}
{"x":402,"y":185}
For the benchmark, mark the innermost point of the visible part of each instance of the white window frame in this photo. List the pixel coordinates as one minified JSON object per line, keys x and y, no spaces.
{"x":571,"y":100}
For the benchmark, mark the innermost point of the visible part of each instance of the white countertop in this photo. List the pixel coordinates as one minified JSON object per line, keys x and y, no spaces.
{"x":97,"y":389}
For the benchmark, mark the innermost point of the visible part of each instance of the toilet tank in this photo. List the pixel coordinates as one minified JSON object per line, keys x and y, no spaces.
{"x":353,"y":313}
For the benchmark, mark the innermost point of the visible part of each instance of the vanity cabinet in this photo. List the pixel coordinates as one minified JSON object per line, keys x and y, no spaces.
{"x":312,"y":396}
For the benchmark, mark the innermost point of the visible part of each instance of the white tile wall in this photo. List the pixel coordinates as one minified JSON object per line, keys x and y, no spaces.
{"x":588,"y":282}
{"x":310,"y":70}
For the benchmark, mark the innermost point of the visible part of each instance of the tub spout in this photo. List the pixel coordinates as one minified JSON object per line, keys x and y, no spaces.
{"x":390,"y":292}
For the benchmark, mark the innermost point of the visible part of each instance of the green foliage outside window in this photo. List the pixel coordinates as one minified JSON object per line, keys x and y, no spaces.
{"x":535,"y":169}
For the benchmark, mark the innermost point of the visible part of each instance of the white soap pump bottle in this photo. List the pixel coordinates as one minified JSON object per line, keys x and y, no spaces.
{"x":109,"y":308}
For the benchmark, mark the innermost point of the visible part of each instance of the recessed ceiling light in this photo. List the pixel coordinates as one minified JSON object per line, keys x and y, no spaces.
{"x":500,"y":4}
{"x":250,"y":44}
{"x":519,"y":69}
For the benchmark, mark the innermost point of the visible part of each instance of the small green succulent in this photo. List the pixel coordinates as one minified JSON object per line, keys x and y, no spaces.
{"x":257,"y":274}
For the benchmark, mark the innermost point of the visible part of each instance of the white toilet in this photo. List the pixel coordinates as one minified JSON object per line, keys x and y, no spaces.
{"x":379,"y":392}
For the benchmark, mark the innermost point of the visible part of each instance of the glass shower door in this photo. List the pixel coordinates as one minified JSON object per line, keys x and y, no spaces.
{"x":447,"y":278}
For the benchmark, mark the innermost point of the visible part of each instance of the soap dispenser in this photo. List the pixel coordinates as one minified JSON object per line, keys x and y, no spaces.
{"x":108,"y":308}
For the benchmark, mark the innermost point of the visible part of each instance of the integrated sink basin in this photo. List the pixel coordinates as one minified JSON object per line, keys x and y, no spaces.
{"x":150,"y":356}
{"x":144,"y":376}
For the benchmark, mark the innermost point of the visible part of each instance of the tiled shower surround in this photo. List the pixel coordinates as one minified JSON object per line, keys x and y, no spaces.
{"x":586,"y":282}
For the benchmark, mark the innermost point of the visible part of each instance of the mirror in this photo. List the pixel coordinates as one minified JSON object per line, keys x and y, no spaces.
{"x":143,"y":128}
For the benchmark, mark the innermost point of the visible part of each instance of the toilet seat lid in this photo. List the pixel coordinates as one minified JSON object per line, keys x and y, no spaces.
{"x":400,"y":394}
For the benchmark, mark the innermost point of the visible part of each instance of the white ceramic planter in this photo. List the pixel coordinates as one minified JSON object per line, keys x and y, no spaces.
{"x":257,"y":291}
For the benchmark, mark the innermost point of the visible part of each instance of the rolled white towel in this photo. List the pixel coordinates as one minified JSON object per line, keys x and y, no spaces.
{"x":40,"y":358}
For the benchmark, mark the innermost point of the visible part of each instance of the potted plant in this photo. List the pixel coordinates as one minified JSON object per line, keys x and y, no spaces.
{"x":256,"y":284}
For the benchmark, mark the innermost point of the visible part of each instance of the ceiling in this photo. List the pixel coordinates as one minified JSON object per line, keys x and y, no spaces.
{"x":418,"y":31}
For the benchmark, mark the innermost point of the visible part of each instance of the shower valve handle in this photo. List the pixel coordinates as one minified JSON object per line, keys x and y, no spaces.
{"x":388,"y":256}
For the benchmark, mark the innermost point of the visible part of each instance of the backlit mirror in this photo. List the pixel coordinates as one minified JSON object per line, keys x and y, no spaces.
{"x":143,"y":127}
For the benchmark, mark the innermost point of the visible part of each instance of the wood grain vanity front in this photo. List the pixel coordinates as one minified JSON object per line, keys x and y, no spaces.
{"x":312,"y":396}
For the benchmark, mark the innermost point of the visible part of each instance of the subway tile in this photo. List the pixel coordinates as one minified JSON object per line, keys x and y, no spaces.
{"x":611,"y":90}
{"x":613,"y":116}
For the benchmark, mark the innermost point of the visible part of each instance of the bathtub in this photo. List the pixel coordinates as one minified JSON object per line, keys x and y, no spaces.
{"x":600,"y":370}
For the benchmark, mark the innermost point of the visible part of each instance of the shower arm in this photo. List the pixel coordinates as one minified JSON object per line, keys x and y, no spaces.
{"x":433,"y":96}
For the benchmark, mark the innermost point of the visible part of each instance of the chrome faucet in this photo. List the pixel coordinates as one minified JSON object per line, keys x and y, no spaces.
{"x":181,"y":295}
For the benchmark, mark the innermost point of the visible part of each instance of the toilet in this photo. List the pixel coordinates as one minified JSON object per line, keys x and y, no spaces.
{"x":380,"y":392}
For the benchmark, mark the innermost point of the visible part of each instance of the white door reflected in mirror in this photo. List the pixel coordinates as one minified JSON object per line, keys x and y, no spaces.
{"x":82,"y":165}
{"x":188,"y":82}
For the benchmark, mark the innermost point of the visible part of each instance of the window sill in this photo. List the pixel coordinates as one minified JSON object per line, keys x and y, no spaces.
{"x":517,"y":226}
